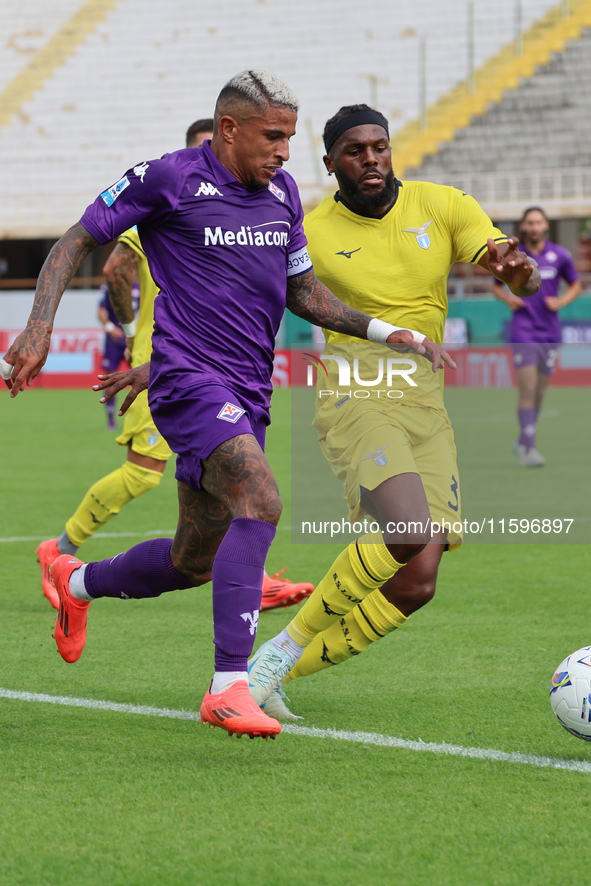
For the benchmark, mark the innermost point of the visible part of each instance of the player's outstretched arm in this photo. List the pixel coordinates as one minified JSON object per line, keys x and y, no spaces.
{"x":29,"y":350}
{"x":519,"y":271}
{"x":113,"y":382}
{"x":120,"y":271}
{"x":307,"y":297}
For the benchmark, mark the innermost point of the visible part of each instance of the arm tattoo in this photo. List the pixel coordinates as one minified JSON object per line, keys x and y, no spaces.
{"x":60,"y":266}
{"x":120,"y":272}
{"x":307,"y":297}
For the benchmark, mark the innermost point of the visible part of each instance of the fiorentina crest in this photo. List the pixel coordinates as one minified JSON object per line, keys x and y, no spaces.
{"x":253,"y":618}
{"x":230,"y":412}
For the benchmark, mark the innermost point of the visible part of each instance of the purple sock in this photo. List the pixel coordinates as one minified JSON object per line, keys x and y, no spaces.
{"x":527,"y":423}
{"x":110,"y":407}
{"x":144,"y":571}
{"x":237,"y":577}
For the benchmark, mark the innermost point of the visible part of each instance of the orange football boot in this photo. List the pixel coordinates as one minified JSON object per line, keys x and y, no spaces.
{"x":70,"y":627}
{"x":278,"y":592}
{"x":47,"y":553}
{"x":236,"y":711}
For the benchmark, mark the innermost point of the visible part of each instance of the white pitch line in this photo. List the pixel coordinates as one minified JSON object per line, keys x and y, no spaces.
{"x":452,"y":750}
{"x":166,"y":533}
{"x":95,"y":704}
{"x":32,"y":538}
{"x":372,"y":738}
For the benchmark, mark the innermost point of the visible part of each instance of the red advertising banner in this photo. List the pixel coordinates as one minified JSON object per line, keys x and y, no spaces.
{"x":492,"y":367}
{"x":75,"y":359}
{"x":478,"y":367}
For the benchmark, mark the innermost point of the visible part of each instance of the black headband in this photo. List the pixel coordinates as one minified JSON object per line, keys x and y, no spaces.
{"x":357,"y":118}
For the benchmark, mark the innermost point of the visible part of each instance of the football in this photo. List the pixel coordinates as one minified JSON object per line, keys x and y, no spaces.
{"x":570,"y":693}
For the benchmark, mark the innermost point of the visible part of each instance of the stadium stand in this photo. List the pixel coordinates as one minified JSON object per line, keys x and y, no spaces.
{"x":89,"y":87}
{"x":506,"y":162}
{"x":557,"y":132}
{"x":502,"y":72}
{"x":27,"y":34}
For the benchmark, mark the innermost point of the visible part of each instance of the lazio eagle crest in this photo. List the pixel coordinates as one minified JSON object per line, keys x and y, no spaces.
{"x":422,"y":237}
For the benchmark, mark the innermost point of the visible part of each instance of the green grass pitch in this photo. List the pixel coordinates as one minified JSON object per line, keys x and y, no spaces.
{"x":103,"y":797}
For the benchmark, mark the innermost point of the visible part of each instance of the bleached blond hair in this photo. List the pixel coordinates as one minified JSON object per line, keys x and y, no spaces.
{"x":257,"y":89}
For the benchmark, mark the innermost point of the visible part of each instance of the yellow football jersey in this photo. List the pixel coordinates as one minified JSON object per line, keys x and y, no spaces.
{"x":396,"y":267}
{"x":142,"y":346}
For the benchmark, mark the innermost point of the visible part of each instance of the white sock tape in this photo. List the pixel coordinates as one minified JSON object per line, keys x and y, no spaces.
{"x":129,"y":329}
{"x":5,"y":369}
{"x":379,"y":330}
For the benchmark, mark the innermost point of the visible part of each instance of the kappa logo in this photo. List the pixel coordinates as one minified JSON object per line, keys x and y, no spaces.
{"x":378,"y":457}
{"x":330,"y":611}
{"x":253,"y":618}
{"x":230,"y":412}
{"x":325,"y":656}
{"x":140,"y":170}
{"x":277,"y":191}
{"x":348,"y":254}
{"x":422,"y":238}
{"x":206,"y":189}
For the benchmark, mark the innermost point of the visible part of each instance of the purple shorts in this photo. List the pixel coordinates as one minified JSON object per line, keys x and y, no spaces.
{"x":535,"y":354}
{"x":112,"y":354}
{"x":197,"y":420}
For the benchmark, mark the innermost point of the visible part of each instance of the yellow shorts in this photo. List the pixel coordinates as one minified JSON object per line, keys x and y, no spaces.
{"x":140,"y":432}
{"x":369,"y":445}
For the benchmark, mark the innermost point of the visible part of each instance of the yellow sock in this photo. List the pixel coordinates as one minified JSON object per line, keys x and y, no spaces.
{"x":364,"y":565}
{"x":106,"y":498}
{"x":370,"y":620}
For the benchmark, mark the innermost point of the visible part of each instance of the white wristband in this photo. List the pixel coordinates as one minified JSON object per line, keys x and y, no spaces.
{"x":379,"y":330}
{"x":109,"y":326}
{"x":129,"y":329}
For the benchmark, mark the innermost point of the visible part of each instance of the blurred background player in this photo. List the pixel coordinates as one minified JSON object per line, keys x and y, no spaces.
{"x":147,"y":451}
{"x":535,"y":327}
{"x":115,"y":345}
{"x":385,"y":247}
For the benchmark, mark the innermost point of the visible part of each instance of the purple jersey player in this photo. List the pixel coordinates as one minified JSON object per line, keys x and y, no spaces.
{"x":535,"y":327}
{"x":222,"y":229}
{"x":115,"y":343}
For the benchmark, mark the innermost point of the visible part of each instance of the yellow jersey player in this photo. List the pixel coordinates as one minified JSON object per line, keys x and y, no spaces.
{"x":147,"y":451}
{"x":385,"y":247}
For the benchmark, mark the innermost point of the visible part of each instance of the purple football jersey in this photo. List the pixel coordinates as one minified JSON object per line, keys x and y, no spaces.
{"x":535,"y":322}
{"x":221,"y":255}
